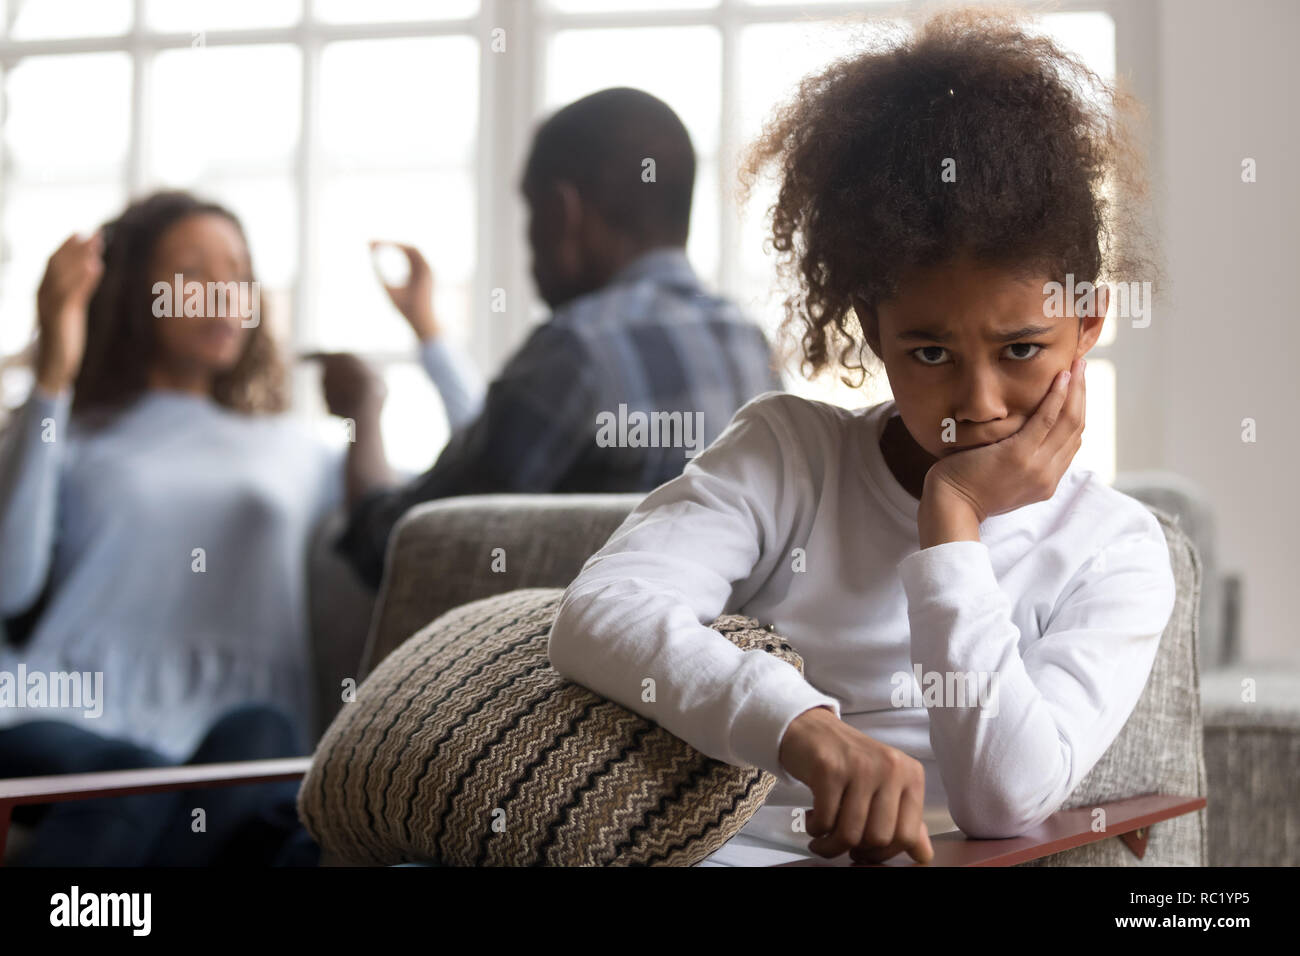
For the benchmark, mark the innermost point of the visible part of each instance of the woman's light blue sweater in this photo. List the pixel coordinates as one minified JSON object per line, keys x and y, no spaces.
{"x":174,"y":543}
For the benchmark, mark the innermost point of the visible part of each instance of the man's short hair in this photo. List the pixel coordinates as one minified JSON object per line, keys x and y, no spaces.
{"x":600,"y":144}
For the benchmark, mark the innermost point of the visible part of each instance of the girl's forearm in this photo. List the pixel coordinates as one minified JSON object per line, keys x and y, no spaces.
{"x":945,"y":516}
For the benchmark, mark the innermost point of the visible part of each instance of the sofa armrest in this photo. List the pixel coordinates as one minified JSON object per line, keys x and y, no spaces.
{"x":1129,"y":819}
{"x":545,"y":538}
{"x":58,"y":788}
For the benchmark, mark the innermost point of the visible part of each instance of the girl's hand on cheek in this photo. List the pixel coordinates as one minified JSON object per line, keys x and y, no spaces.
{"x":1025,"y":467}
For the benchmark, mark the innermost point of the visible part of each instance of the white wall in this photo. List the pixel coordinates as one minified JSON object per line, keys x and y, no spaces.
{"x":1226,"y":338}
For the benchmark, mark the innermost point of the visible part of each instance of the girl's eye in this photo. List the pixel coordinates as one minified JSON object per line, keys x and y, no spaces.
{"x":1025,"y":345}
{"x":929,"y":359}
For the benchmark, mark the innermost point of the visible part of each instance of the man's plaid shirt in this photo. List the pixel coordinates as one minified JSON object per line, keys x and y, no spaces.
{"x":652,"y":340}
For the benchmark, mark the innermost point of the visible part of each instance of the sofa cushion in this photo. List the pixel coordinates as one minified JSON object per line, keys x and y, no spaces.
{"x":484,"y":545}
{"x":465,"y":747}
{"x":340,"y":607}
{"x":1252,"y":750}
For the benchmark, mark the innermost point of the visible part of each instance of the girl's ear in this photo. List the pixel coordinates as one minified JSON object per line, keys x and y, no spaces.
{"x":1103,"y":299}
{"x":1090,"y":325}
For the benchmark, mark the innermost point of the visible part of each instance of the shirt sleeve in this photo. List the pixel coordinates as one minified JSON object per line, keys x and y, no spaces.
{"x":457,"y":382}
{"x":31,"y":453}
{"x":1049,"y":714}
{"x":538,"y":418}
{"x":639,"y":610}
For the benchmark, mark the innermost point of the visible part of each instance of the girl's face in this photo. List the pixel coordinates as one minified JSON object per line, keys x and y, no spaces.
{"x":975,"y":344}
{"x":206,"y":248}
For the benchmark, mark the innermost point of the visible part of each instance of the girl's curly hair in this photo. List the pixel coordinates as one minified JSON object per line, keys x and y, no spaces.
{"x":120,"y":340}
{"x":1033,"y":142}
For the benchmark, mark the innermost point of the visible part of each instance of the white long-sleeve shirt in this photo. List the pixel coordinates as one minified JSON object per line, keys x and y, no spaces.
{"x":793,"y":517}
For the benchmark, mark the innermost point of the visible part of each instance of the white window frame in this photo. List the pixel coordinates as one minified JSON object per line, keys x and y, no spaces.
{"x":510,"y":86}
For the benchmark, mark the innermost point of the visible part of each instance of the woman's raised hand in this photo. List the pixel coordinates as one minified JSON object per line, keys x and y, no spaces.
{"x":62,"y":302}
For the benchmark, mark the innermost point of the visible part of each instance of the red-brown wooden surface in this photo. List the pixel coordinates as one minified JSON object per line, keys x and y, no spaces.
{"x":1064,"y":830}
{"x":119,"y":783}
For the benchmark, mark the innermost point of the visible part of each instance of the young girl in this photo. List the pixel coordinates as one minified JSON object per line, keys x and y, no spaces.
{"x":977,"y":618}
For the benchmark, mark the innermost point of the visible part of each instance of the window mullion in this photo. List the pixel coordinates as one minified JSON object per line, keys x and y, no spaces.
{"x":141,"y":64}
{"x":309,"y":187}
{"x":493,"y":251}
{"x":728,"y":151}
{"x":509,"y":87}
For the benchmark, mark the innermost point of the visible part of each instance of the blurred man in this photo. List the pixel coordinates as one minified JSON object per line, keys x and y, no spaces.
{"x":637,"y":369}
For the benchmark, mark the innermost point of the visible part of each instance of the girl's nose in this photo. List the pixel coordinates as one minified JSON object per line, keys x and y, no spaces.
{"x":979,"y":396}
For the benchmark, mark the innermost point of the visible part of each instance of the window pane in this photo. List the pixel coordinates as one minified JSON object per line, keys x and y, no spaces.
{"x":413,"y":421}
{"x":54,"y":19}
{"x":192,"y":16}
{"x":90,"y":94}
{"x":433,"y":211}
{"x":758,"y":275}
{"x":1098,"y":450}
{"x":389,"y":103}
{"x":617,"y":6}
{"x":702,"y":244}
{"x":268,"y":209}
{"x":1090,"y":35}
{"x":37,"y":218}
{"x":579,"y":62}
{"x":813,"y":3}
{"x":250,"y":99}
{"x":773,"y":58}
{"x":350,"y":11}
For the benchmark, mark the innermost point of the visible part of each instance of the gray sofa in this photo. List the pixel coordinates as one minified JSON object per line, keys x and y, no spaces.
{"x":1251,"y":712}
{"x":443,"y":554}
{"x":1229,"y":733}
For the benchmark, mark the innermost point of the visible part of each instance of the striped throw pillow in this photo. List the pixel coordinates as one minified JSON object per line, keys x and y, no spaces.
{"x":466,"y":748}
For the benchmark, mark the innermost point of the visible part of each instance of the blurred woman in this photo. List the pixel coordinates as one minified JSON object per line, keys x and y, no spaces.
{"x":156,"y":509}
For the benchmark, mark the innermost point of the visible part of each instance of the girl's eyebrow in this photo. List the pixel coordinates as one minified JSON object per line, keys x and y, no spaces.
{"x":933,"y":334}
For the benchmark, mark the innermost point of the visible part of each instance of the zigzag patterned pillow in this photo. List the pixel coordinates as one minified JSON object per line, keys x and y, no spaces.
{"x":466,"y":748}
